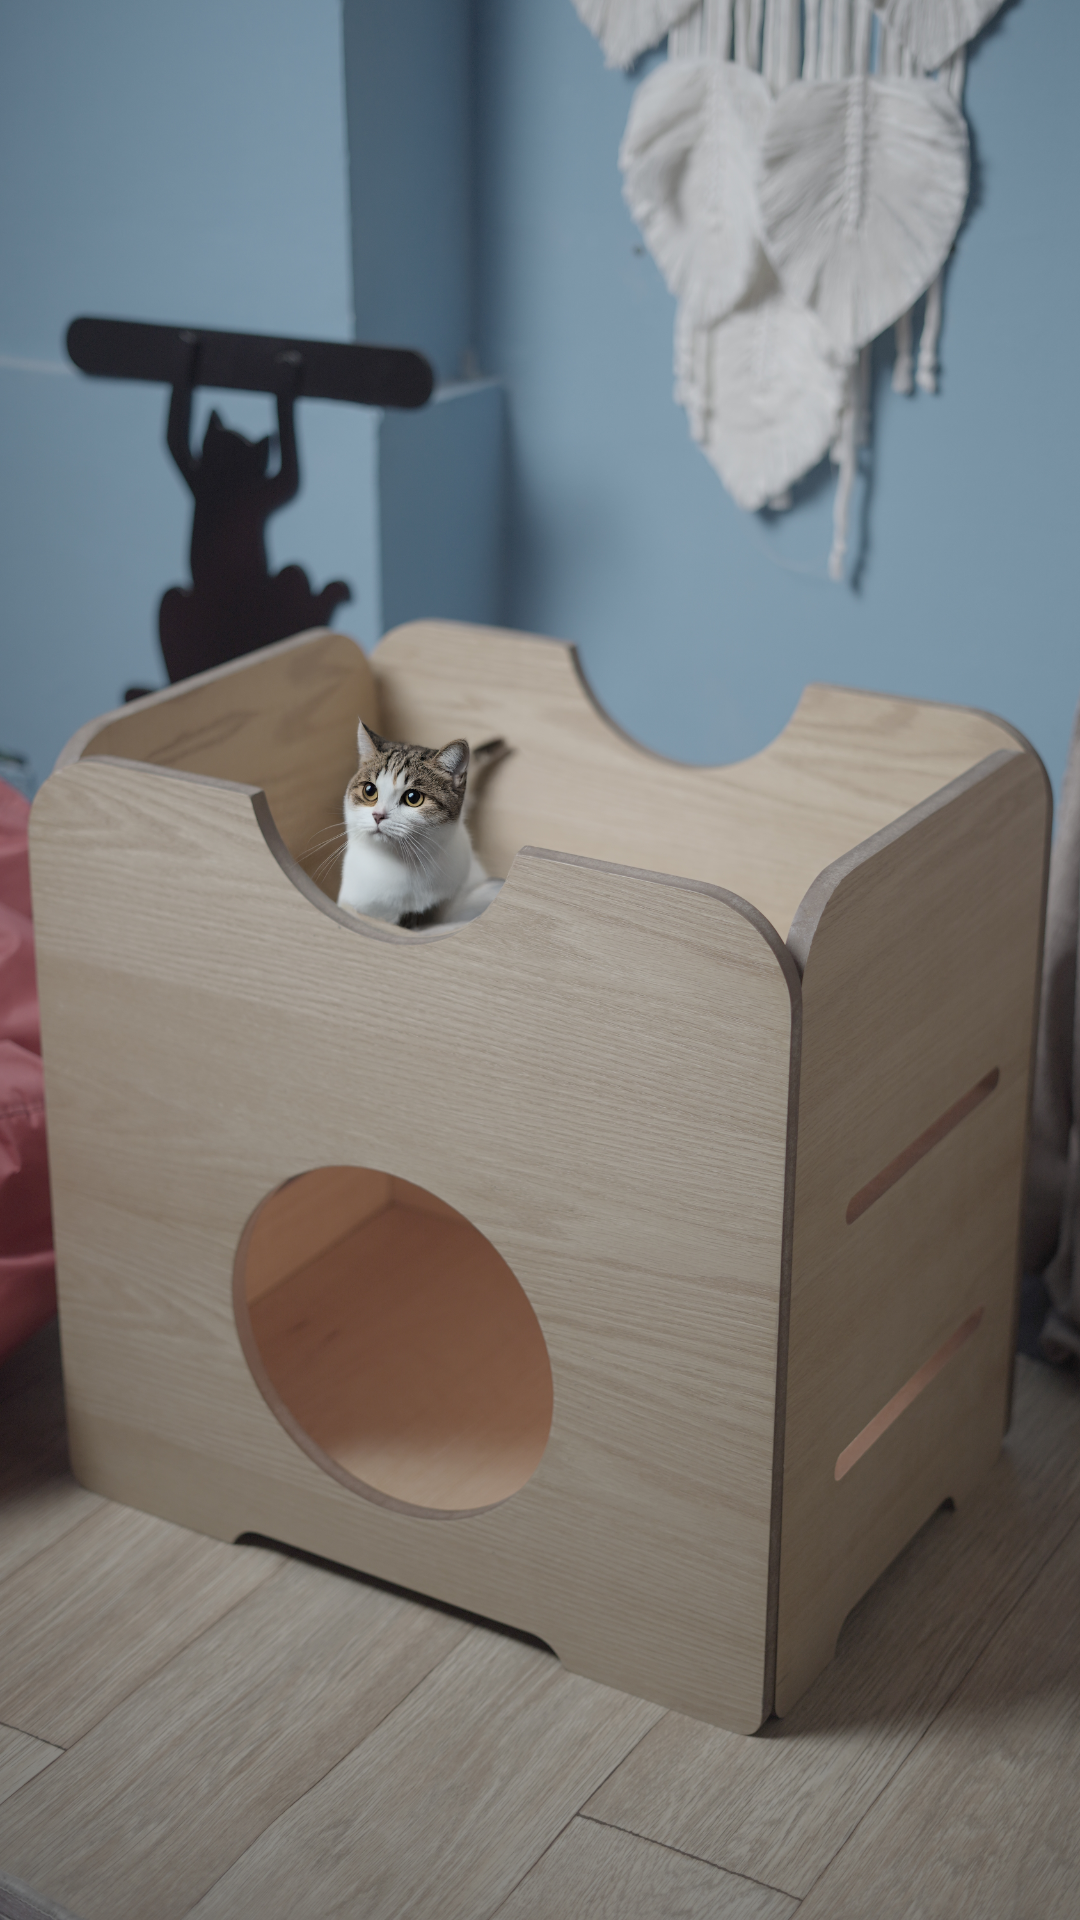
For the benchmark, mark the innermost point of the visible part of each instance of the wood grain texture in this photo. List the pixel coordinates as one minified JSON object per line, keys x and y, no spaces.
{"x":597,"y":1871}
{"x":921,"y":977}
{"x":283,"y":719}
{"x":20,"y":1902}
{"x":408,"y":1357}
{"x":189,"y":1074}
{"x":21,"y":1757}
{"x":156,"y":1802}
{"x":983,"y":1818}
{"x":120,"y":1593}
{"x":447,"y":1804}
{"x":780,"y":1807}
{"x":305,"y":1220}
{"x":845,"y":766}
{"x":623,"y":1135}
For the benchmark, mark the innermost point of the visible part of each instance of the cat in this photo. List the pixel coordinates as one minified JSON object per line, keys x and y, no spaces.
{"x":408,"y":856}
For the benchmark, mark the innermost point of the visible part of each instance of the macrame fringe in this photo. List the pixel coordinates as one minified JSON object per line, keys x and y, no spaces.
{"x":847,"y":191}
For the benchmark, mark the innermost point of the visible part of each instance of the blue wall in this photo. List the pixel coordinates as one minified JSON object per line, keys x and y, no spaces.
{"x":699,"y":624}
{"x":409,"y":83}
{"x":174,"y":162}
{"x":188,"y":159}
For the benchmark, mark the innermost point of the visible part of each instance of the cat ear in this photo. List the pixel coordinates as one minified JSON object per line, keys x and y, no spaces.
{"x":213,"y":425}
{"x":369,"y":742}
{"x":454,"y":760}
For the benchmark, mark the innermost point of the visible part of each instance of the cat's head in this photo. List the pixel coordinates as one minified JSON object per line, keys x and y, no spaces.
{"x":229,"y":458}
{"x":401,"y":794}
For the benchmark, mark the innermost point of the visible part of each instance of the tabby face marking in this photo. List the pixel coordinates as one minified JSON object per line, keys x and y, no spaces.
{"x":408,"y":856}
{"x":401,"y":791}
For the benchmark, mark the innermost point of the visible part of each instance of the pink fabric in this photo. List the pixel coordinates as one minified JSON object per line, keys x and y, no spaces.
{"x":27,"y":1270}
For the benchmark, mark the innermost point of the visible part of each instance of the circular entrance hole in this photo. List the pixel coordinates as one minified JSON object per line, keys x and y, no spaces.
{"x":393,"y":1342}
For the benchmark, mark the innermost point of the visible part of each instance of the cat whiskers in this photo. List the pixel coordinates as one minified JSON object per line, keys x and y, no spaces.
{"x":338,"y":832}
{"x":335,"y":839}
{"x":325,"y":865}
{"x":423,"y":860}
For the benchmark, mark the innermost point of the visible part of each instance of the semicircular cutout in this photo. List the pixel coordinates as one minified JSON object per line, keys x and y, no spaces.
{"x":393,"y":1342}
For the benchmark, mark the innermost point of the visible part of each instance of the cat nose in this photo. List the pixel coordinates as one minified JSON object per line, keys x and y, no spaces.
{"x":378,"y":816}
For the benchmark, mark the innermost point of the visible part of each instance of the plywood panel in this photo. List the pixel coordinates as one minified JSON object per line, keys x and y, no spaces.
{"x":208,"y":1031}
{"x":120,"y":1593}
{"x":595,"y":1870}
{"x":39,"y":1500}
{"x":922,"y":956}
{"x":310,"y":1216}
{"x":410,"y":1357}
{"x":447,"y":1804}
{"x":981,"y":1820}
{"x":780,"y":1807}
{"x":158,"y":1800}
{"x":284,"y":720}
{"x":846,"y":765}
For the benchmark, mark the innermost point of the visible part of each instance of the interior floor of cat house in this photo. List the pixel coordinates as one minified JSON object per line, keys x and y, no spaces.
{"x":393,"y":1341}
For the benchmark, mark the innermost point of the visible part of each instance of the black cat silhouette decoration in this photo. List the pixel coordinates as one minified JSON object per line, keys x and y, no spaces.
{"x":234,"y":604}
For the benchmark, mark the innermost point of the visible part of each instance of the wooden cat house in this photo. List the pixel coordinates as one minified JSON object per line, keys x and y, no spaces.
{"x":636,"y":1264}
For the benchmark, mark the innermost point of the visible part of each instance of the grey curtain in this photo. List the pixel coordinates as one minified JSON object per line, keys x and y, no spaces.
{"x":1052,"y":1222}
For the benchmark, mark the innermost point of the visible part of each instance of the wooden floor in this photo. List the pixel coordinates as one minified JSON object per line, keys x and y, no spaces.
{"x":191,"y":1728}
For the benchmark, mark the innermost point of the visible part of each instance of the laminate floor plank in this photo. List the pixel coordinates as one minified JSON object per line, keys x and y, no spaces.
{"x":36,"y":1514}
{"x":779,"y":1806}
{"x":20,"y":1902}
{"x":982,"y":1822}
{"x":604,"y":1874}
{"x":445,"y":1807}
{"x":153,"y":1805}
{"x":91,"y":1617}
{"x":21,"y":1757}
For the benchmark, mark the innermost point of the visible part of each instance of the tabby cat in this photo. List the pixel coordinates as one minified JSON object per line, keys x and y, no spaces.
{"x":408,"y":856}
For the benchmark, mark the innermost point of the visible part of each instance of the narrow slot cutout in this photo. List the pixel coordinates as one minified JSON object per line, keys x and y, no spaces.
{"x":901,"y":1401}
{"x":912,"y":1154}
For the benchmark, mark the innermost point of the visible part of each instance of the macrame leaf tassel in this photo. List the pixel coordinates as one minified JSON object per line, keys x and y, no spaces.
{"x":862,"y":188}
{"x":934,"y":29}
{"x":689,"y":157}
{"x":768,"y":393}
{"x":627,"y":28}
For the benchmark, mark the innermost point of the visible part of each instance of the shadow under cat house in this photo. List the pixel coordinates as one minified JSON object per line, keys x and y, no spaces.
{"x":634,"y":1264}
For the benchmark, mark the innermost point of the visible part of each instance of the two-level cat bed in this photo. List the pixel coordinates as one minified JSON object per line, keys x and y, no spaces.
{"x":635,"y":1264}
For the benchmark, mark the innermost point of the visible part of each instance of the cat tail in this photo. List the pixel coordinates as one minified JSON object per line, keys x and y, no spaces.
{"x":481,"y":761}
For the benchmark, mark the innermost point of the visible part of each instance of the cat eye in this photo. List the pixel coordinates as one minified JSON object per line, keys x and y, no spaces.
{"x":414,"y":798}
{"x":368,"y":793}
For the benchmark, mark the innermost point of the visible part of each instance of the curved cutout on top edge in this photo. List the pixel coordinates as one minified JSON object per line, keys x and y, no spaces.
{"x":812,"y":906}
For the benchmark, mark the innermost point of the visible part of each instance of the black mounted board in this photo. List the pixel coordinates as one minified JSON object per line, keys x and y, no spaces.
{"x":251,"y":362}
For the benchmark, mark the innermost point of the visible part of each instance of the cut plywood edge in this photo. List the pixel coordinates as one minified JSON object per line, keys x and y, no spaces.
{"x":846,"y":765}
{"x":304,"y":1219}
{"x":921,"y":955}
{"x":654,"y":1266}
{"x":283,"y":719}
{"x":408,"y":1361}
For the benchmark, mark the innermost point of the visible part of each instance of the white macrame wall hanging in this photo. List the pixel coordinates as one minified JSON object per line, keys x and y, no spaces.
{"x":799,"y":170}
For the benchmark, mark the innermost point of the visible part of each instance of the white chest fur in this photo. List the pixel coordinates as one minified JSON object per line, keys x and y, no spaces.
{"x":382,"y":879}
